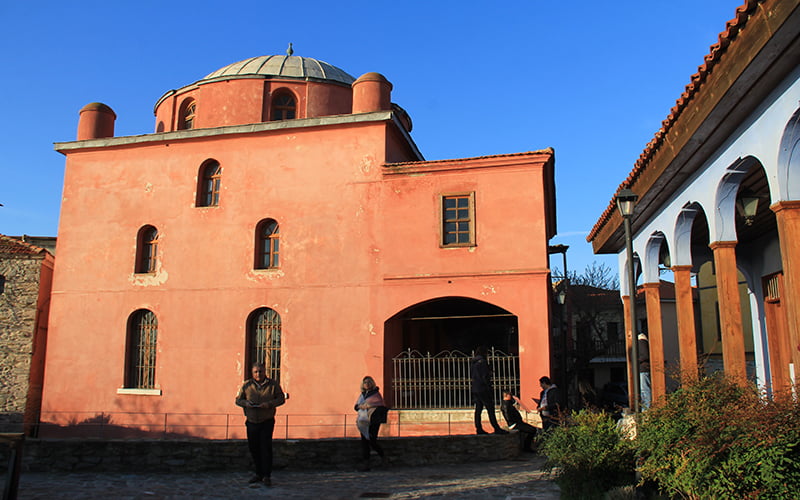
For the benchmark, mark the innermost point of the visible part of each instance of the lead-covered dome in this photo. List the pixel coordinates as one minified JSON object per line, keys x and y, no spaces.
{"x":270,"y":88}
{"x":282,"y":66}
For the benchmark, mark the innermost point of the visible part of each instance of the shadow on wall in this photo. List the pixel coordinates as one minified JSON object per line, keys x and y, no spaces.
{"x":135,"y":426}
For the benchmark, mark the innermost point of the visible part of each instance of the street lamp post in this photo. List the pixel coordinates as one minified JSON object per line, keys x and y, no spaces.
{"x":561,"y":297}
{"x":626,"y":201}
{"x":562,"y":301}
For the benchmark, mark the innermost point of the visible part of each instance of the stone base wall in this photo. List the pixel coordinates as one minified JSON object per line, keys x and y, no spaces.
{"x":18,"y":303}
{"x":233,"y":455}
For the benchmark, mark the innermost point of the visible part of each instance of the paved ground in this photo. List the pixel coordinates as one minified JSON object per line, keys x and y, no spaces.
{"x":520,"y":479}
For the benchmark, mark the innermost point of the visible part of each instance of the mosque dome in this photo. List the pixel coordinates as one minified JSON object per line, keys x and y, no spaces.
{"x":286,"y":66}
{"x":270,"y":88}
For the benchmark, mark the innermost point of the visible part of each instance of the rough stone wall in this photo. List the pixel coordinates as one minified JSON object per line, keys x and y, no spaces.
{"x":196,"y":455}
{"x":18,"y":302}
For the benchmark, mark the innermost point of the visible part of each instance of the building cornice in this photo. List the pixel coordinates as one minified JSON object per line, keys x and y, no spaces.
{"x":253,"y":128}
{"x":470,"y":275}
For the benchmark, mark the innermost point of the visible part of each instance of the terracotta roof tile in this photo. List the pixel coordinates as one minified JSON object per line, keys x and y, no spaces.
{"x":716,"y":51}
{"x":541,"y":151}
{"x":9,"y":245}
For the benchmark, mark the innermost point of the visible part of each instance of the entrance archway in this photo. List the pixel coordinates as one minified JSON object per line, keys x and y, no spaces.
{"x":430,"y":344}
{"x":455,"y":323}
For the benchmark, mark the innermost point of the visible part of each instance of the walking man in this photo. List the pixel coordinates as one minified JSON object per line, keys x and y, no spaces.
{"x":259,"y":396}
{"x":482,"y":391}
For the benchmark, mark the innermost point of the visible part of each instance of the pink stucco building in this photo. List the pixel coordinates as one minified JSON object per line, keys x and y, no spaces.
{"x":282,"y":211}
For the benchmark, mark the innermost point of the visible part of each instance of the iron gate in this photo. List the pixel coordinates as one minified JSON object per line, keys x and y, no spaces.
{"x":425,"y":381}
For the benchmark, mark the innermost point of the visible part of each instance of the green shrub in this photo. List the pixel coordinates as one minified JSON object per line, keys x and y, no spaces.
{"x":589,"y":455}
{"x":717,"y":439}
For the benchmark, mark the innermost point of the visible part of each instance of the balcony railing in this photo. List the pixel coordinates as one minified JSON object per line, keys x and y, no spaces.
{"x":599,"y":347}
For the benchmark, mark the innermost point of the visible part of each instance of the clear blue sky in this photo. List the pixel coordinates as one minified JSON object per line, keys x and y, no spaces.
{"x":592,"y":80}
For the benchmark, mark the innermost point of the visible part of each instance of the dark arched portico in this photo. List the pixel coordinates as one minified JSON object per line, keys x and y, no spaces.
{"x":433,"y":341}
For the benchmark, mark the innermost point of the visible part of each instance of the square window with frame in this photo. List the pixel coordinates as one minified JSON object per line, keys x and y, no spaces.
{"x":458,"y":220}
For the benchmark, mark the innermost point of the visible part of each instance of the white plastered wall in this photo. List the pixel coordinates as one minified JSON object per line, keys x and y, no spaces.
{"x":712,"y":187}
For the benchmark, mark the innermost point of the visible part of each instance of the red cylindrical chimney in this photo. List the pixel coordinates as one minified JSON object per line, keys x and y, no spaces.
{"x":372,"y":92}
{"x":96,"y":121}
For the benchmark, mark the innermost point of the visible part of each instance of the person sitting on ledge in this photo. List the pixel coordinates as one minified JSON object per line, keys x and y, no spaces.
{"x":514,"y":420}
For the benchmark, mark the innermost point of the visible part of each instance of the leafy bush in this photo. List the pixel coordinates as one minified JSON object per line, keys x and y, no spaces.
{"x":589,"y":455}
{"x":715,"y":438}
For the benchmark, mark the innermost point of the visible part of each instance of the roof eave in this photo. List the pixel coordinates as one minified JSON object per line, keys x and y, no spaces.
{"x":754,"y":60}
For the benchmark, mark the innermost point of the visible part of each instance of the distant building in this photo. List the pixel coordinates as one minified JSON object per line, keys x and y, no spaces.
{"x":596,"y":317}
{"x":596,"y":347}
{"x":282,"y":212}
{"x":26,"y":273}
{"x":719,"y":205}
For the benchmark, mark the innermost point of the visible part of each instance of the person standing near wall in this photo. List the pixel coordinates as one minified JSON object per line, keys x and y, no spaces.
{"x":482,"y":391}
{"x":259,"y":396}
{"x":548,"y":403}
{"x":514,"y":420}
{"x":371,"y":414}
{"x":644,"y":370}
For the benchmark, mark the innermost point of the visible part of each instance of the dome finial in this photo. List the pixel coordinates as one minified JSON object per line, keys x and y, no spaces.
{"x":289,"y":51}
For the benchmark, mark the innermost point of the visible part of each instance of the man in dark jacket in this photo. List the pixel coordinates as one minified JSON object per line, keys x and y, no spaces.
{"x":259,"y":397}
{"x":515,"y":421}
{"x":482,"y":391}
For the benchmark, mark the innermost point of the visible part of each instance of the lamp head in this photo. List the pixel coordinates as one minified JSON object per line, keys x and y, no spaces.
{"x":626,"y":200}
{"x":747,"y":206}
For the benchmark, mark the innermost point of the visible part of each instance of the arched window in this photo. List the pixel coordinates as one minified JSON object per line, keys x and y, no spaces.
{"x":267,"y":244}
{"x":140,"y":363}
{"x":264,"y":342}
{"x":209,"y":184}
{"x":147,"y":250}
{"x":284,"y":106}
{"x":188,"y":109}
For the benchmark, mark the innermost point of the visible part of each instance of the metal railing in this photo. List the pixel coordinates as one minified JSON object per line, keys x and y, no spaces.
{"x":600,"y":347}
{"x":439,"y":385}
{"x":425,"y":381}
{"x":142,"y":425}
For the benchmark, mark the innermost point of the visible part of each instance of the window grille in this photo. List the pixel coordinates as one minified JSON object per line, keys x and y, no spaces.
{"x":147,"y":252}
{"x":425,"y":381}
{"x":265,"y":342}
{"x":267,"y":245}
{"x":210,"y":181}
{"x":283,"y":107}
{"x":772,"y":289}
{"x":188,"y":116}
{"x":142,"y":343}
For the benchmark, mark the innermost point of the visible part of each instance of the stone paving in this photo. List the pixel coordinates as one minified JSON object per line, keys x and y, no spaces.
{"x":519,"y":479}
